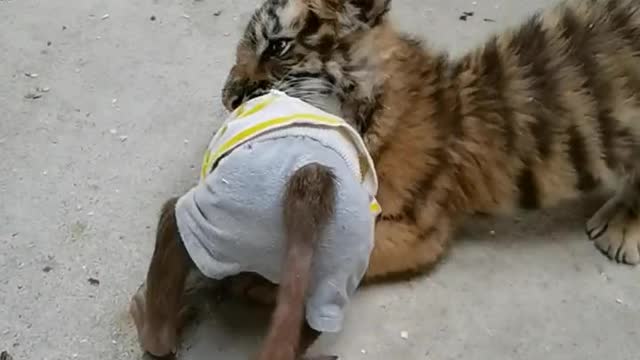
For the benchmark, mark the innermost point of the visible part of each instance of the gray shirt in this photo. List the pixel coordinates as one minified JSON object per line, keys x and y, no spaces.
{"x":232,"y":222}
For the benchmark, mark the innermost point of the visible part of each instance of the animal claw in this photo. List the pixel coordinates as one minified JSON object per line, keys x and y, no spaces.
{"x":596,"y":232}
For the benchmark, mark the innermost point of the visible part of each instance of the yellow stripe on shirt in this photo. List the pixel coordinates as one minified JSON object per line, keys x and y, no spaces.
{"x":250,"y":131}
{"x":259,"y":106}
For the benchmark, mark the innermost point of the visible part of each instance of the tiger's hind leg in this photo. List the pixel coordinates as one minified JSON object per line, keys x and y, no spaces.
{"x":404,"y":248}
{"x":400,"y":249}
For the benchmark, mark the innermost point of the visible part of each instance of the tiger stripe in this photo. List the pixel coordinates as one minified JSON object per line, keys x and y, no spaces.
{"x":540,"y":113}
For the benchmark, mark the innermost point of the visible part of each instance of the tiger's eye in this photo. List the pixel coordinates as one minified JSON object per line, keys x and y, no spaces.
{"x":278,"y":47}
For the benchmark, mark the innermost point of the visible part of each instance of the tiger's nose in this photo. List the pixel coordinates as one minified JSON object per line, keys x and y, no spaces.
{"x":237,"y":91}
{"x":233,"y":91}
{"x":232,"y":97}
{"x":235,"y":101}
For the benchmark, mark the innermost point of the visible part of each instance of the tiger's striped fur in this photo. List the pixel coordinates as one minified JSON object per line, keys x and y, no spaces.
{"x":541,"y":113}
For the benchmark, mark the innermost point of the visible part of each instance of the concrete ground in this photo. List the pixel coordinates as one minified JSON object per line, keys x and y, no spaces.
{"x":104,"y":113}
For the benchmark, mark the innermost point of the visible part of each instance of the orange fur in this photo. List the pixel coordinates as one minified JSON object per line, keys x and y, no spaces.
{"x":541,"y":113}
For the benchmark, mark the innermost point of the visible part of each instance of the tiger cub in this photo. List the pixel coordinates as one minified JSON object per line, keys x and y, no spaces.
{"x":539,"y":114}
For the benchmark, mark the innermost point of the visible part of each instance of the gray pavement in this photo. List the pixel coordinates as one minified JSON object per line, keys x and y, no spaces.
{"x":120,"y":111}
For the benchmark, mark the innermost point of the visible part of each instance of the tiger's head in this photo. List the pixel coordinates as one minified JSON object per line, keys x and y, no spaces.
{"x":309,"y":49}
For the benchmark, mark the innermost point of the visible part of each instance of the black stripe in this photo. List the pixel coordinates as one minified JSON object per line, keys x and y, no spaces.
{"x":311,"y":26}
{"x":265,"y":32}
{"x":580,"y":44}
{"x":424,"y":187}
{"x":251,"y":32}
{"x":580,"y":160}
{"x":363,"y":7}
{"x":446,"y":117}
{"x":367,"y":112}
{"x":622,"y":21}
{"x":448,"y":121}
{"x":494,"y":89}
{"x":308,"y":74}
{"x":271,"y":11}
{"x":305,"y":74}
{"x":391,"y":217}
{"x":530,"y":43}
{"x":325,"y":46}
{"x":277,"y":27}
{"x":456,"y":119}
{"x":380,"y":16}
{"x":528,"y":189}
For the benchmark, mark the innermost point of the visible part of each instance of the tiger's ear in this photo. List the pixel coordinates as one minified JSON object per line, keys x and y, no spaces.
{"x":370,"y":12}
{"x":325,"y":9}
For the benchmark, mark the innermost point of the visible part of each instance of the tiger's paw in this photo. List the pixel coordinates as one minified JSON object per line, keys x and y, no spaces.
{"x":620,"y":240}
